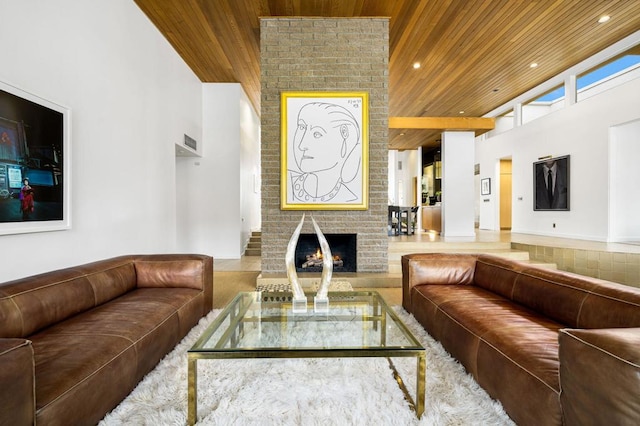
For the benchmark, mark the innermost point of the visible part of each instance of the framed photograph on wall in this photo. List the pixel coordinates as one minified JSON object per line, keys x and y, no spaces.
{"x":485,"y":186}
{"x":551,"y":184}
{"x":34,"y":163}
{"x":324,"y":151}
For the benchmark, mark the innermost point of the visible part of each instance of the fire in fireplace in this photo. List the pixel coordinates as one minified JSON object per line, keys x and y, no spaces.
{"x":308,"y":256}
{"x":316,"y":259}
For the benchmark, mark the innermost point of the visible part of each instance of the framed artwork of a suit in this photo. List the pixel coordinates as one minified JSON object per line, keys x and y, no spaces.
{"x":551,"y":184}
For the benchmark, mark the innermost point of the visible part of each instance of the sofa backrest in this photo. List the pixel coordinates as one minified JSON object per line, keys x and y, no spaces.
{"x":443,"y":268}
{"x":170,"y":271}
{"x":578,"y":301}
{"x":33,"y":303}
{"x":573,"y":300}
{"x":497,"y":274}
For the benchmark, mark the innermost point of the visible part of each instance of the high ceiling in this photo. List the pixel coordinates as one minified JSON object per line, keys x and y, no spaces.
{"x":474,"y":55}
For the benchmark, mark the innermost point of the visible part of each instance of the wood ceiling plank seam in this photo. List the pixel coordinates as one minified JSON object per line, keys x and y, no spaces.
{"x":467,"y":26}
{"x":409,"y":30}
{"x":468,"y":23}
{"x":378,"y":8}
{"x":264,"y":7}
{"x":235,"y":37}
{"x":191,"y":51}
{"x":541,"y":21}
{"x":436,"y":37}
{"x":400,"y":18}
{"x":358,"y":8}
{"x":434,"y":83}
{"x":216,"y":49}
{"x":342,"y":9}
{"x":590,"y":33}
{"x":567,"y":60}
{"x":251,"y":37}
{"x":289,"y":8}
{"x":562,"y":39}
{"x":408,"y":25}
{"x":479,"y":52}
{"x":452,"y":72}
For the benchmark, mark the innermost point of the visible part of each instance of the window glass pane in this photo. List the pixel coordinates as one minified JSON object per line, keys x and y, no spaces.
{"x":543,"y":105}
{"x":609,"y":74}
{"x":504,"y":122}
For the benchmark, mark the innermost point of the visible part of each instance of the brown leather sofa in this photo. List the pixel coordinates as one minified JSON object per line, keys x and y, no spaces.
{"x":75,"y":342}
{"x":553,"y":347}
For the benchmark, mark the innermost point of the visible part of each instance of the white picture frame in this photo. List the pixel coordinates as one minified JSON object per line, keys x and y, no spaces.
{"x":35,"y":144}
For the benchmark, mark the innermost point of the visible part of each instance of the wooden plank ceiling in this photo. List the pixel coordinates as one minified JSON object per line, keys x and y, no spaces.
{"x":474,"y":55}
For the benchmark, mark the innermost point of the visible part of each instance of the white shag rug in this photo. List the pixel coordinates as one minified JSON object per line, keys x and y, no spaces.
{"x":344,"y":391}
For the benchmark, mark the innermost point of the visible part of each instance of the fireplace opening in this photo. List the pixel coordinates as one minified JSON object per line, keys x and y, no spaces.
{"x":308,"y":256}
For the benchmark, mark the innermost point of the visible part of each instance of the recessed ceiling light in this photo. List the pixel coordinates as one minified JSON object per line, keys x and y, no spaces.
{"x":533,"y":65}
{"x":461,"y":112}
{"x":401,"y":134}
{"x":603,"y":19}
{"x":416,"y":65}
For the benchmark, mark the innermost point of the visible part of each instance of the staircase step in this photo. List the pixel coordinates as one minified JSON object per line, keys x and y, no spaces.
{"x":254,"y":246}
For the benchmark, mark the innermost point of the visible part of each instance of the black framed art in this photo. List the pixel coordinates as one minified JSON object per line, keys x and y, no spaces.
{"x":551,"y":184}
{"x":485,"y":186}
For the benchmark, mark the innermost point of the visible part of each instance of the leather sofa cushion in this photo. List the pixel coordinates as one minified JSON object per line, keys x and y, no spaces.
{"x":112,"y":281}
{"x":569,"y":299}
{"x":135,"y":330}
{"x":444,"y":269}
{"x":520,"y":335}
{"x":497,"y":275}
{"x":161,"y":272}
{"x":510,"y":350}
{"x":31,"y":304}
{"x":600,"y":376}
{"x":16,"y":376}
{"x":576,"y":301}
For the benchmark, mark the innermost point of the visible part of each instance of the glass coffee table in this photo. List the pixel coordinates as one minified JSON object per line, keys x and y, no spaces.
{"x":263,"y":325}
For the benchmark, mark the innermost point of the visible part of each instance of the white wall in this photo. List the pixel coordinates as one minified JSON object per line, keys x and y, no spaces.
{"x":624,"y":206}
{"x":580,"y":130}
{"x":392,"y":187}
{"x":218,"y":188}
{"x":131,"y":97}
{"x":401,"y":180}
{"x":458,"y":184}
{"x":250,"y":170}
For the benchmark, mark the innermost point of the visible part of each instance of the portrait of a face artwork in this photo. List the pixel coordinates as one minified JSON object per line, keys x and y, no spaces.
{"x":324,"y":151}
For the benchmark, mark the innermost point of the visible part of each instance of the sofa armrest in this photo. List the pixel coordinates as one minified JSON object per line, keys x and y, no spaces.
{"x":436,"y":269}
{"x":17,"y":382}
{"x":600,"y":376}
{"x":177,"y":270}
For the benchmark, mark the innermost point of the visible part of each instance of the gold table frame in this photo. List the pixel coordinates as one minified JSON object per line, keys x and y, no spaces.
{"x":223,"y":338}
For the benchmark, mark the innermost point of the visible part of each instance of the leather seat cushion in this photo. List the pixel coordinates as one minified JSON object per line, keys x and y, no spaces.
{"x":520,"y":335}
{"x":108,"y":349}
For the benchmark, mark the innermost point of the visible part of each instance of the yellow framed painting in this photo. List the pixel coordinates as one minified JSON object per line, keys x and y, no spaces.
{"x":324,"y":151}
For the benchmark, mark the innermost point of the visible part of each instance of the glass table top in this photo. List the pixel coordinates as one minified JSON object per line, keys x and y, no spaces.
{"x":257,"y":324}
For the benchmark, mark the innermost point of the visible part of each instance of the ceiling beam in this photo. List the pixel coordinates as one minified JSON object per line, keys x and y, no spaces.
{"x":479,"y":125}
